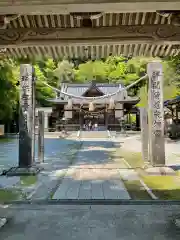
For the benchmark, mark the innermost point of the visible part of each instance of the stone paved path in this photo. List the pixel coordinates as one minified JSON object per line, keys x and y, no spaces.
{"x":93,"y":175}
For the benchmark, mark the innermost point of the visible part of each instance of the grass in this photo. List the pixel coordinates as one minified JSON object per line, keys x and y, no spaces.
{"x":164,"y":187}
{"x":28,"y":180}
{"x":9,"y":195}
{"x":133,"y":158}
{"x":136,"y":190}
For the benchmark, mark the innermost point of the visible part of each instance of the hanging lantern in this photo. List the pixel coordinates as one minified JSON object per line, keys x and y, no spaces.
{"x":91,"y":107}
{"x":111,"y":103}
{"x":70,"y":104}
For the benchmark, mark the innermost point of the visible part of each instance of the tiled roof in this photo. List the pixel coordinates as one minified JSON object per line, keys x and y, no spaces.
{"x":80,"y":89}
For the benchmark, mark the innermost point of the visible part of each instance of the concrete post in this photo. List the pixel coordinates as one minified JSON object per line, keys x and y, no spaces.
{"x":25,"y":116}
{"x":156,"y":114}
{"x":144,"y":133}
{"x":41,"y":136}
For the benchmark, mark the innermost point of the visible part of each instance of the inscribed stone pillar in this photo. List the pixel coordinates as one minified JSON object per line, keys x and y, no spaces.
{"x":25,"y":116}
{"x":156,"y":114}
{"x":41,"y":136}
{"x":33,"y":115}
{"x":46,"y":125}
{"x":144,"y":133}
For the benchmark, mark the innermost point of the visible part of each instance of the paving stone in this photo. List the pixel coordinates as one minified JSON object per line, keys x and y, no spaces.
{"x":85,"y":190}
{"x":91,"y":173}
{"x":62,"y":189}
{"x":73,"y":190}
{"x":115,"y":190}
{"x":97,"y":189}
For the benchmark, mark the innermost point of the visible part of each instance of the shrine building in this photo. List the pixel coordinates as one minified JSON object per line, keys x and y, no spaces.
{"x":106,"y":112}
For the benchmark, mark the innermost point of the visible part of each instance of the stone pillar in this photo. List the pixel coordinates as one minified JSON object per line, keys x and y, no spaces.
{"x":144,"y":133}
{"x":25,"y":116}
{"x":156,"y":114}
{"x":46,"y":122}
{"x":33,"y":116}
{"x":41,"y":136}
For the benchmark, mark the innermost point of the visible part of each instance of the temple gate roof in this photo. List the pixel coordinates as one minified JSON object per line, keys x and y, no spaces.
{"x":64,"y":35}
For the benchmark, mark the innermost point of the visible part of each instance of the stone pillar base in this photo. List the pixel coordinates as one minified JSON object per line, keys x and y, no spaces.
{"x":160,"y":171}
{"x":17,"y":171}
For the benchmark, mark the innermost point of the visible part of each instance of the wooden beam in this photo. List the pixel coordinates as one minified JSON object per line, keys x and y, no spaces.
{"x":39,"y":7}
{"x":153,"y":34}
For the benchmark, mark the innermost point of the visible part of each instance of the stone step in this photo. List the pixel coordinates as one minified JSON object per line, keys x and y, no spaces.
{"x":94,"y":134}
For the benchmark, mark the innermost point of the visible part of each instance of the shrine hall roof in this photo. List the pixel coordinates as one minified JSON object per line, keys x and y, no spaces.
{"x":80,"y":89}
{"x":105,"y":88}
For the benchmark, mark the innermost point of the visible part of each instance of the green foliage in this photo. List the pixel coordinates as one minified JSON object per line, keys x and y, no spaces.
{"x":64,"y":72}
{"x":113,"y":69}
{"x":91,"y":70}
{"x":9,"y":77}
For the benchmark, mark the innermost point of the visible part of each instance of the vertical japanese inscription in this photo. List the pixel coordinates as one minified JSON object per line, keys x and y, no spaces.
{"x":157,"y":103}
{"x":156,"y":114}
{"x":25,"y":116}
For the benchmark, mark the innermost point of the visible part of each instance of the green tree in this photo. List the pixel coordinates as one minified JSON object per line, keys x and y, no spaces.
{"x":43,"y":92}
{"x":64,"y":71}
{"x":9,"y":90}
{"x":91,"y":70}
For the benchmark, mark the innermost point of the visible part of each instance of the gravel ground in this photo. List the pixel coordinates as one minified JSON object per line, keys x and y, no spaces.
{"x":93,"y":222}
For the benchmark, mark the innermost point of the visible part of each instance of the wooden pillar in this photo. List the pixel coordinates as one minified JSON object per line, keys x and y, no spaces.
{"x":156,"y":114}
{"x":138,"y":121}
{"x":106,"y":114}
{"x":144,"y":133}
{"x":41,"y":136}
{"x":25,"y":116}
{"x":81,"y":119}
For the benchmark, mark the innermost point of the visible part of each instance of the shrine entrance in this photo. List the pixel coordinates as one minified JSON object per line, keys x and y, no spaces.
{"x":95,"y":118}
{"x":70,"y":32}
